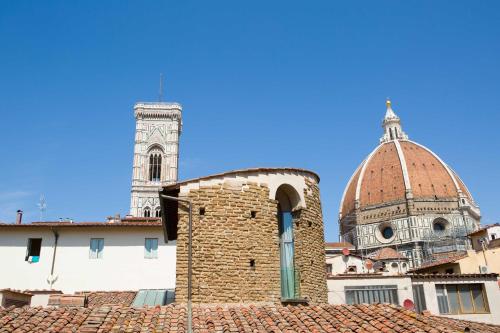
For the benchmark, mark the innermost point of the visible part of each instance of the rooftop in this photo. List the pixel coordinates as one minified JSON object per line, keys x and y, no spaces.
{"x":483,"y":228}
{"x":244,"y":171}
{"x":386,"y":253}
{"x":440,"y":262}
{"x":454,"y":276}
{"x":153,"y":222}
{"x":233,"y":318}
{"x":339,"y":245}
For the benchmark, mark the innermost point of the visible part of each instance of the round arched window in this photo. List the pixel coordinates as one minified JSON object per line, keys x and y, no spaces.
{"x":387,"y":232}
{"x":394,"y":265}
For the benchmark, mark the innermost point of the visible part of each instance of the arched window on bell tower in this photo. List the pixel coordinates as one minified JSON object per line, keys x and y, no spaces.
{"x":147,"y":212}
{"x":154,"y":167}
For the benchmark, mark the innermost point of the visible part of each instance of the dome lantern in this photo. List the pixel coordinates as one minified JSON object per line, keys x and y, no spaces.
{"x":392,"y":125}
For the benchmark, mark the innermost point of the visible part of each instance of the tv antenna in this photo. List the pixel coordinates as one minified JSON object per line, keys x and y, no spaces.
{"x":160,"y":95}
{"x":42,"y":206}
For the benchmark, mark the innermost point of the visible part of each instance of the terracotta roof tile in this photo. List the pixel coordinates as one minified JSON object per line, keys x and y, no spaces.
{"x":232,"y":318}
{"x":440,"y":262}
{"x":153,"y":223}
{"x":386,"y":253}
{"x":99,"y":298}
{"x":453,"y":275}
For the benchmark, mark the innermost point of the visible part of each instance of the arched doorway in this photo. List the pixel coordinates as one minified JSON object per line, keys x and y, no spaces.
{"x":288,"y":199}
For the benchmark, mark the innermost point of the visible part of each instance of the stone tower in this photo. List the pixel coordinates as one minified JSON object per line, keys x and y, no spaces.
{"x":156,"y":154}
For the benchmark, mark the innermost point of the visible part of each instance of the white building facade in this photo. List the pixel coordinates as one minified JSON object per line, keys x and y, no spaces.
{"x":156,"y":154}
{"x":86,"y":257}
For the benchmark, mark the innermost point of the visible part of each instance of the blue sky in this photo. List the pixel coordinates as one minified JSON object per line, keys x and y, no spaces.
{"x":262,"y":83}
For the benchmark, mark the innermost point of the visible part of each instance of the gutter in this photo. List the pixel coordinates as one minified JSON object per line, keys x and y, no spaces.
{"x":51,"y":279}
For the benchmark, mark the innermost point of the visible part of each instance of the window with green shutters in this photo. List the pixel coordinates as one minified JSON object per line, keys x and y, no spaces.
{"x":151,"y":248}
{"x":96,"y":248}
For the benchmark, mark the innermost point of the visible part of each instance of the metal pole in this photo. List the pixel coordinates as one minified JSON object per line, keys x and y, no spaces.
{"x":190,"y":259}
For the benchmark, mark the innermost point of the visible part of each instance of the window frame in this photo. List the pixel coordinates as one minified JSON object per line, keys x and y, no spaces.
{"x":155,"y":165}
{"x":99,"y":251}
{"x":459,"y":294}
{"x":388,"y":291}
{"x":29,"y":247}
{"x":150,"y":254}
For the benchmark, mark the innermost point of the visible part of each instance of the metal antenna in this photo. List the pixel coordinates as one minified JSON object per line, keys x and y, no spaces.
{"x":42,"y":206}
{"x":160,"y":97}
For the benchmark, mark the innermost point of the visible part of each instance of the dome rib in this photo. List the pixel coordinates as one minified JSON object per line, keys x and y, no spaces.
{"x":404,"y":166}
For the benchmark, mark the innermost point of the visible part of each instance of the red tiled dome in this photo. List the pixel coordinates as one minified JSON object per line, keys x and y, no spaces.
{"x":395,"y":168}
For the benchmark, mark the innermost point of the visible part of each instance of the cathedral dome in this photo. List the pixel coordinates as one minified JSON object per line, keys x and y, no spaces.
{"x":398,"y":170}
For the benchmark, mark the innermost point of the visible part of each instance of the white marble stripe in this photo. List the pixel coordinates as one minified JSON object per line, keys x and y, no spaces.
{"x":404,"y":167}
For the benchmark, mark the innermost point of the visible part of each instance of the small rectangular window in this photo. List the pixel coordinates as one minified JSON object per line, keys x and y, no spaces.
{"x":33,"y":250}
{"x":96,"y":248}
{"x":151,"y":248}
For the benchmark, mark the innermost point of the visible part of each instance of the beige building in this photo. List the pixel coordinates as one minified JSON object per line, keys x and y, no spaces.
{"x":405,"y":197}
{"x":473,"y":297}
{"x":470,"y":262}
{"x":257,"y":236}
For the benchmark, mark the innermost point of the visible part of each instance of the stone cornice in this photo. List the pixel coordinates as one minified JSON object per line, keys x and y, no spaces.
{"x":158,"y":110}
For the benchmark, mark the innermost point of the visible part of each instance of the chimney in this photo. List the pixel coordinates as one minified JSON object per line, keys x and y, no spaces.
{"x":19,"y":217}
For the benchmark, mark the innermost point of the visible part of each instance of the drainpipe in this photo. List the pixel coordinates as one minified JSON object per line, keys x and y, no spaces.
{"x":190,"y":259}
{"x":51,"y":277}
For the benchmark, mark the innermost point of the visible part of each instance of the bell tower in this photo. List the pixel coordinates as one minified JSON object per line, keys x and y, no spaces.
{"x":156,"y":154}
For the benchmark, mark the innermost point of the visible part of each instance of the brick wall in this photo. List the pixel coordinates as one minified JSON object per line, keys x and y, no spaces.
{"x":227,"y":238}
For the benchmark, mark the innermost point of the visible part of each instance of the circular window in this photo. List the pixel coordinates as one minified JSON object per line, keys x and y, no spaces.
{"x":394,"y":265}
{"x":387,"y":232}
{"x":439,"y":225}
{"x":403,"y":265}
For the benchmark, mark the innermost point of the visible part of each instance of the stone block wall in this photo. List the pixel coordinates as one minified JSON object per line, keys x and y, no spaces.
{"x":236,"y":246}
{"x":310,"y":247}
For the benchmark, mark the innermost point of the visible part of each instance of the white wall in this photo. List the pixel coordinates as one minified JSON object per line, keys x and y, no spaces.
{"x":123,"y":266}
{"x":492,"y":295}
{"x":336,"y":293}
{"x":340,"y":263}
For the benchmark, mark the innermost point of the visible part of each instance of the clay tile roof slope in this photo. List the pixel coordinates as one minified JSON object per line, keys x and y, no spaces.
{"x":386,"y":253}
{"x":233,"y":318}
{"x":100,"y":298}
{"x":153,"y":223}
{"x":440,"y":262}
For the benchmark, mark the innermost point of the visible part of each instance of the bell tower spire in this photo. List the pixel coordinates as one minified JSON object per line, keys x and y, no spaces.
{"x":392,"y":125}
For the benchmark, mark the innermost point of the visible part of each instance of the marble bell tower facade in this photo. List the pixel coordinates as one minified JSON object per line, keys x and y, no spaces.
{"x":156,"y":154}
